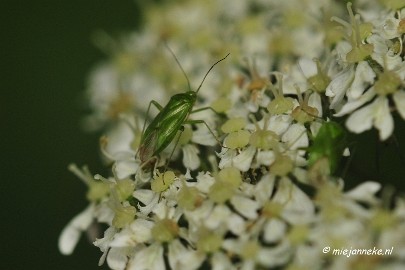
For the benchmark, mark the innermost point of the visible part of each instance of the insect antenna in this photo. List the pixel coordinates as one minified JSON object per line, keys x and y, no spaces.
{"x":206,"y":74}
{"x":178,"y":63}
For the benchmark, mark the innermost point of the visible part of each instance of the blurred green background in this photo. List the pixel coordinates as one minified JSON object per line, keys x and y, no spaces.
{"x":46,"y":55}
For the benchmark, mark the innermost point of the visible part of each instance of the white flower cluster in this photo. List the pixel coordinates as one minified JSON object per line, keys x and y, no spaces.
{"x":255,"y":181}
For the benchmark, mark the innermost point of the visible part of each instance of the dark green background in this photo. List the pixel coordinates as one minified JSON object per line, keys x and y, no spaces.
{"x":46,"y":54}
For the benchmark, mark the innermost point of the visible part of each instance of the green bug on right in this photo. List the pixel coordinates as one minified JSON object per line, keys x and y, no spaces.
{"x":330,"y":142}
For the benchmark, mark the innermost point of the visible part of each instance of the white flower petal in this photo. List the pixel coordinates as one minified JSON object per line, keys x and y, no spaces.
{"x":219,"y":215}
{"x":315,"y":102}
{"x":361,"y":120}
{"x":383,"y":118}
{"x":279,"y":123}
{"x":264,"y":188}
{"x":356,"y":103}
{"x":276,"y":256}
{"x":226,"y":157}
{"x":307,"y":66}
{"x":399,"y":99}
{"x":220,"y":261}
{"x":265,"y":157}
{"x":191,"y":159}
{"x":141,"y":229}
{"x":274,"y":230}
{"x":233,"y":245}
{"x":204,"y":182}
{"x":71,"y":233}
{"x":119,"y":140}
{"x":197,"y":216}
{"x":338,"y":86}
{"x":145,"y":196}
{"x":148,"y":208}
{"x":236,"y":224}
{"x":298,"y":208}
{"x":104,"y":243}
{"x":123,"y":239}
{"x":181,"y":258}
{"x":363,"y":77}
{"x":125,"y":168}
{"x":150,"y":257}
{"x":296,"y":137}
{"x":389,"y":28}
{"x":117,"y":258}
{"x":245,"y":206}
{"x":203,"y":136}
{"x":244,"y":159}
{"x":364,"y":192}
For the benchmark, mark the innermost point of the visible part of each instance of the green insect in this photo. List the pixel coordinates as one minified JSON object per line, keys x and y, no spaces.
{"x":329,"y":143}
{"x":170,"y":119}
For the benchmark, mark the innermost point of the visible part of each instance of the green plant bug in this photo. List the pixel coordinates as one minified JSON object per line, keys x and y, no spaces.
{"x":330,"y":142}
{"x":170,"y":119}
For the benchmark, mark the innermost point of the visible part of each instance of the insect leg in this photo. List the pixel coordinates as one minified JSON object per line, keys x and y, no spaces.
{"x":190,"y":122}
{"x":203,"y":109}
{"x":203,"y":122}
